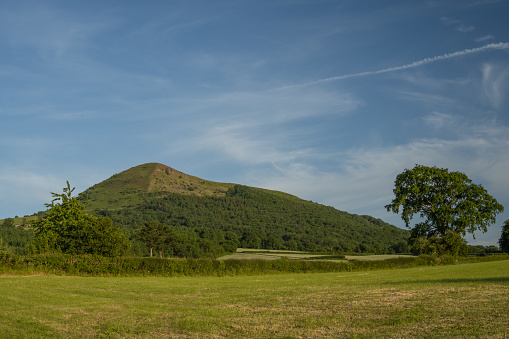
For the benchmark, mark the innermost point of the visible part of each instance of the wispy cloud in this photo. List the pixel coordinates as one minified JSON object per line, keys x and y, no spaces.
{"x":362,"y":182}
{"x":52,"y":33}
{"x":495,"y":83}
{"x":438,"y":120}
{"x":497,"y":46}
{"x":458,"y":25}
{"x":485,"y":38}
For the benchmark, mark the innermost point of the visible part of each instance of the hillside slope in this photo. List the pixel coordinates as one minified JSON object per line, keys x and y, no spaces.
{"x":128,"y":188}
{"x":208,"y":211}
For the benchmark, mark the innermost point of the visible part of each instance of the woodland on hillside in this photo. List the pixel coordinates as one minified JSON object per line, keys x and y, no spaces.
{"x":251,"y":218}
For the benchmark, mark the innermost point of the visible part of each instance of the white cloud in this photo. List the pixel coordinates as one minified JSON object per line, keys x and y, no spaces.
{"x":261,"y":127}
{"x":495,"y":83}
{"x":438,"y":120}
{"x":363,"y":180}
{"x":484,"y":38}
{"x":464,"y":28}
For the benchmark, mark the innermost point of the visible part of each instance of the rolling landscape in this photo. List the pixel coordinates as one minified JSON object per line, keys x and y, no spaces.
{"x":245,"y":262}
{"x":254,"y":169}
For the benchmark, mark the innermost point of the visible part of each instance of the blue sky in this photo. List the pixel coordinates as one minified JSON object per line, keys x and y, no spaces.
{"x":327,"y":100}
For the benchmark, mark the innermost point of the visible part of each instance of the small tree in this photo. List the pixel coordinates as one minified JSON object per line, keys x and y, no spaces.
{"x":504,"y":238}
{"x":450,"y":204}
{"x":68,"y":229}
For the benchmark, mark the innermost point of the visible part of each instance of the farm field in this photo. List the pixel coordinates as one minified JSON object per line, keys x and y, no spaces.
{"x":467,"y":300}
{"x":251,"y":254}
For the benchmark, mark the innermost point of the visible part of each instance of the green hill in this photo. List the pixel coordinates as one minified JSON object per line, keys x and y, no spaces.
{"x":211,"y":217}
{"x":129,"y":188}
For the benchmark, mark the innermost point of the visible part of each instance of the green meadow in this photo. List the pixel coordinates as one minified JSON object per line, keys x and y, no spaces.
{"x":465,"y":300}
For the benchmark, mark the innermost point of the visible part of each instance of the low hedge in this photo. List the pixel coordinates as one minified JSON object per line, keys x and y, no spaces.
{"x":92,"y":265}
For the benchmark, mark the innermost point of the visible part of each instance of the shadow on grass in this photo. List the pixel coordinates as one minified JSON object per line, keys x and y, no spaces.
{"x":491,"y":280}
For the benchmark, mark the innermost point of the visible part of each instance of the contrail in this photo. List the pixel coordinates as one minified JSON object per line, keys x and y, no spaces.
{"x":500,"y":45}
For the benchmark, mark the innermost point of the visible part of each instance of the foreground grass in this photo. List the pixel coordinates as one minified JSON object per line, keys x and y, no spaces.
{"x":469,"y":300}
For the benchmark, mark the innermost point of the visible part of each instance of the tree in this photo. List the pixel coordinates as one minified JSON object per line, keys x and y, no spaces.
{"x":449,"y":204}
{"x":504,"y":238}
{"x":157,"y":236}
{"x":68,"y":229}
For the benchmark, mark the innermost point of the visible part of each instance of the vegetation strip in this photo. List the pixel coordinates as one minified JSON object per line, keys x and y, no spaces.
{"x":93,"y":265}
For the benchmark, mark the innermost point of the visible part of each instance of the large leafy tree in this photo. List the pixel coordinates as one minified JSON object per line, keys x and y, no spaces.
{"x":67,"y":228}
{"x":449,"y":204}
{"x":157,"y":236}
{"x":504,"y":238}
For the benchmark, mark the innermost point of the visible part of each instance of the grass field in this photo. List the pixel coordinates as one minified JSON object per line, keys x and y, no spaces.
{"x":468,"y":300}
{"x":256,"y":254}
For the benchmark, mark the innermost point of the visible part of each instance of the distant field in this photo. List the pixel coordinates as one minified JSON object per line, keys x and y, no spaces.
{"x":19,"y":220}
{"x":467,"y":300}
{"x":245,"y":253}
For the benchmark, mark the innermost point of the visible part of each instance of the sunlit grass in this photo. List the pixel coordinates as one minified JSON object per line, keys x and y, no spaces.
{"x":257,"y":254}
{"x":468,"y":300}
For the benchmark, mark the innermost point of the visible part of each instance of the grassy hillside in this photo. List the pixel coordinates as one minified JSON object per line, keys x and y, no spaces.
{"x":204,"y":211}
{"x":128,"y":188}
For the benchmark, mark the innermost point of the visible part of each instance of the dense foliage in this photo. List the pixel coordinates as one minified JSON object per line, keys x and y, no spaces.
{"x":93,"y":265}
{"x":68,"y":229}
{"x":157,"y":236}
{"x":255,"y":218}
{"x":14,"y":238}
{"x":504,"y":237}
{"x":449,"y":204}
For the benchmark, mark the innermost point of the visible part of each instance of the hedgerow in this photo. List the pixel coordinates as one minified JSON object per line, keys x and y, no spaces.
{"x":93,"y":265}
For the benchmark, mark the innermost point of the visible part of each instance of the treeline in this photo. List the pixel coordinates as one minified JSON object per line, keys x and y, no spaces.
{"x":481,"y":250}
{"x":254,"y":218}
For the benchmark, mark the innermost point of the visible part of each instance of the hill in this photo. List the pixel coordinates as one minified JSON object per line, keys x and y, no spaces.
{"x":212,"y":218}
{"x":129,"y":188}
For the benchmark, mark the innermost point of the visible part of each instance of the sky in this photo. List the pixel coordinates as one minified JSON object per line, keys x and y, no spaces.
{"x":326,"y":100}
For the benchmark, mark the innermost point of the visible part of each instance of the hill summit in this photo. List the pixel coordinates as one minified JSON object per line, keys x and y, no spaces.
{"x":126,"y":188}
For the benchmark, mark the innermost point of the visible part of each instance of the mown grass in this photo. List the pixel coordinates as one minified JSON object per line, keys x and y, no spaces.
{"x":468,"y":300}
{"x":250,"y":254}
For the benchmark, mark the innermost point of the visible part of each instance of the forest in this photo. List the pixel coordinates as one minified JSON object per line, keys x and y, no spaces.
{"x":248,"y":217}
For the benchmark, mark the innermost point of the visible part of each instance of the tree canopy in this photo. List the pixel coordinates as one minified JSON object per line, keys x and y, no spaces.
{"x":157,"y":236}
{"x":504,"y":238}
{"x":449,"y":204}
{"x":210,"y":226}
{"x":68,"y":229}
